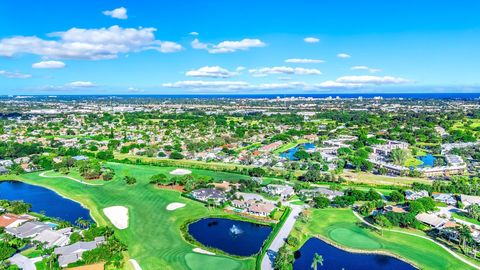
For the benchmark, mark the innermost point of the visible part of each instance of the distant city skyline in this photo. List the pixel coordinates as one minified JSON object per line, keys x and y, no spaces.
{"x":238,"y":47}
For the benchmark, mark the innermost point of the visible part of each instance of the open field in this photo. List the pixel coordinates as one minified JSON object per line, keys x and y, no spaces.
{"x":153,"y":236}
{"x":341,"y":227}
{"x":373,"y":179}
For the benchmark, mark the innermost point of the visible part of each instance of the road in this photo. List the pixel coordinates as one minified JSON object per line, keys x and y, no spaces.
{"x":269,"y":258}
{"x":421,"y":236}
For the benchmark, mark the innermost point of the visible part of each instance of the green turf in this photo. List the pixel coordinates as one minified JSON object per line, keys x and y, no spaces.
{"x":153,"y":237}
{"x":412,"y":162}
{"x":464,"y":217}
{"x":342,"y":227}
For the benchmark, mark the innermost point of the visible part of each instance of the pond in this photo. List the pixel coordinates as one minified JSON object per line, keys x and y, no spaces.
{"x":234,"y":237}
{"x":336,"y":259}
{"x":428,"y":160}
{"x":43,"y":200}
{"x":290,"y":154}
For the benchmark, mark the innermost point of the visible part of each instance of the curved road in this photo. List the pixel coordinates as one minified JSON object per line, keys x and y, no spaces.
{"x":269,"y":258}
{"x":424,"y":237}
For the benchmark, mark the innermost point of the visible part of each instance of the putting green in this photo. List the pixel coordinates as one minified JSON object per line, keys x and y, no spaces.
{"x":353,"y":239}
{"x":200,"y":261}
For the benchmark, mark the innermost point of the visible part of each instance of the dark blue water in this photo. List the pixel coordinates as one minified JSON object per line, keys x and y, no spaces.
{"x":43,"y":199}
{"x":428,"y":160}
{"x":290,"y":154}
{"x":217,"y":233}
{"x":336,"y":259}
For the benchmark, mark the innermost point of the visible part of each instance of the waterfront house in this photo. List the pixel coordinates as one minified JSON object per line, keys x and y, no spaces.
{"x":9,"y":220}
{"x":28,"y":229}
{"x":205,"y":194}
{"x":57,"y":238}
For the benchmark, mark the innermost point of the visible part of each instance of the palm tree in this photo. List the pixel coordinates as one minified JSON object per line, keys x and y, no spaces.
{"x":317,"y":259}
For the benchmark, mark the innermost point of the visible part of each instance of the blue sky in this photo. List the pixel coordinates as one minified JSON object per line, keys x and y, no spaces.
{"x":187,"y":47}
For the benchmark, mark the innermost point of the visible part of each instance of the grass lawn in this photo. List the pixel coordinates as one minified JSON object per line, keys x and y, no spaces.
{"x":289,"y":145}
{"x":341,"y":227}
{"x":464,"y":217}
{"x":412,"y":162}
{"x":153,"y":237}
{"x":373,"y":179}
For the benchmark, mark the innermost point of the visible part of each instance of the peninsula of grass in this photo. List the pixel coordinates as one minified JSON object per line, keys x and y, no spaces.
{"x":289,"y":146}
{"x":153,"y":237}
{"x":341,"y":228}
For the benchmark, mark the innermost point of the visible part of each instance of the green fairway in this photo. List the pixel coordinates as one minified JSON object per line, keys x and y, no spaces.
{"x":153,"y":237}
{"x":341,"y":227}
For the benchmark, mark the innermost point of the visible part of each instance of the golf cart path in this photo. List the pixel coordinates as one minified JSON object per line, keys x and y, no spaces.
{"x":269,"y":259}
{"x":68,"y":177}
{"x":421,"y":236}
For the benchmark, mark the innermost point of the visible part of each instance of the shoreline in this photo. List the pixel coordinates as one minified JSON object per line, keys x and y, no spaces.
{"x":360,"y":251}
{"x":58,"y":193}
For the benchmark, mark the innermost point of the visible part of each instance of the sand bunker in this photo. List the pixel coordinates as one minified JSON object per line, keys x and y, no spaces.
{"x":180,"y":172}
{"x":118,"y":215}
{"x":135,"y":264}
{"x":202,"y":251}
{"x":175,"y":206}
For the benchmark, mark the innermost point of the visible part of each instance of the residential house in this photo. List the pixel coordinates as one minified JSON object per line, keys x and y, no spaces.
{"x":284,"y":191}
{"x":205,"y":194}
{"x":330,"y":194}
{"x":73,"y":253}
{"x":445,"y":198}
{"x":11,"y":220}
{"x":57,"y":238}
{"x":469,"y":200}
{"x":3,"y":170}
{"x":413,"y":195}
{"x":431,"y":220}
{"x":28,"y":229}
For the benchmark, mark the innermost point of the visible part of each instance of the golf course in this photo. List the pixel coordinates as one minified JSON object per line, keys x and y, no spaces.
{"x":153,"y":235}
{"x":341,"y":228}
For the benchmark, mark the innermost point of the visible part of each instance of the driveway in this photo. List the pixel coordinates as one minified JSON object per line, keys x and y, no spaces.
{"x":23,"y":262}
{"x":269,"y":259}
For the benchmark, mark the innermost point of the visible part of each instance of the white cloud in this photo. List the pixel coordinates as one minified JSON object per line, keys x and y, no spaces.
{"x":80,"y":84}
{"x":210,"y":72}
{"x":89,"y":44}
{"x":343,"y":55}
{"x":118,"y":13}
{"x":14,"y":75}
{"x":311,"y":40}
{"x":372,"y":80}
{"x":49,"y":64}
{"x":135,"y":90}
{"x":193,"y":33}
{"x":228,"y":46}
{"x":284,"y":70}
{"x":303,"y":61}
{"x":345,"y":82}
{"x":240,"y":68}
{"x":208,"y":85}
{"x":371,"y":70}
{"x":196,"y":44}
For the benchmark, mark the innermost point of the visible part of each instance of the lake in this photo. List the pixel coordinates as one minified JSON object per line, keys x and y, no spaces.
{"x":428,"y":160}
{"x":234,"y":237}
{"x":337,"y":259}
{"x":290,"y":154}
{"x":43,"y":200}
